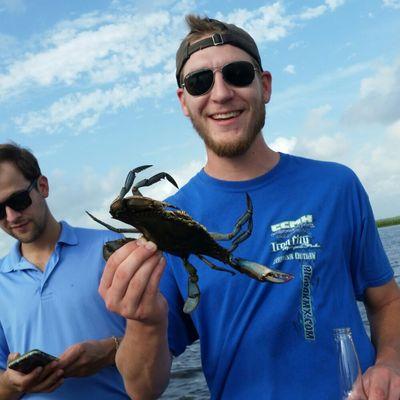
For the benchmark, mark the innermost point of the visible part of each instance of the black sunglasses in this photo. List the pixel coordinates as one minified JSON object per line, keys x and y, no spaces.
{"x":238,"y":73}
{"x":18,"y":201}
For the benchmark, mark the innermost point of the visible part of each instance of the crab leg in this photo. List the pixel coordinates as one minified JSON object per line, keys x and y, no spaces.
{"x":246,"y":217}
{"x":114,"y":245}
{"x":211,"y":265}
{"x":193,"y":288}
{"x":242,"y":237}
{"x":111,"y":228}
{"x":259,"y":272}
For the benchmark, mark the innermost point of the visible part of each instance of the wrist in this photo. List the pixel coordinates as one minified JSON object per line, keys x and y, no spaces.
{"x":7,"y":389}
{"x":108,"y":350}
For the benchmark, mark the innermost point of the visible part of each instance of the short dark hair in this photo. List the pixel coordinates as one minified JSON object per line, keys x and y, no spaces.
{"x":21,"y":158}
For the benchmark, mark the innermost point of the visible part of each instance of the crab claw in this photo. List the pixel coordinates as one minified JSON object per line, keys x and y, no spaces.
{"x":261,"y":272}
{"x":171,"y":179}
{"x":193,"y":298}
{"x":130,"y":179}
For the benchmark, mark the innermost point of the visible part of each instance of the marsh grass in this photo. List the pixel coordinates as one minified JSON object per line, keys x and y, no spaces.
{"x":388,"y":221}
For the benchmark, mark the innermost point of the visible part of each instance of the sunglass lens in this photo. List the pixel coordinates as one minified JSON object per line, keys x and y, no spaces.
{"x":199,"y":82}
{"x":18,"y":202}
{"x":240,"y":73}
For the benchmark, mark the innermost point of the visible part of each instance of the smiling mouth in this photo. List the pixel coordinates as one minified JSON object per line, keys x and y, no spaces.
{"x":226,"y":115}
{"x":19,"y":225}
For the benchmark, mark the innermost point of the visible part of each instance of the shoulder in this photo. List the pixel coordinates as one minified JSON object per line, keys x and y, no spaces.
{"x":327,"y":170}
{"x":90,"y":234}
{"x":12,"y":258}
{"x":188,"y":193}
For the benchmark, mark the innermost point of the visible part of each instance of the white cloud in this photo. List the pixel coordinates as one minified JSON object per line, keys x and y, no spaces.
{"x":313,"y":12}
{"x":296,"y":45}
{"x":378,"y":165}
{"x":324,"y":147}
{"x":392,"y":4}
{"x":290,"y":69}
{"x":267,"y":23}
{"x":285,"y":145}
{"x":79,"y":112}
{"x":379,"y":98}
{"x":333,"y":4}
{"x":316,"y":120}
{"x":102,"y":53}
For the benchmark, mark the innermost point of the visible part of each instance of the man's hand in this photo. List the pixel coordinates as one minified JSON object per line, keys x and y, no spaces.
{"x":40,"y":380}
{"x":382,"y":382}
{"x":87,"y":358}
{"x":129,"y":285}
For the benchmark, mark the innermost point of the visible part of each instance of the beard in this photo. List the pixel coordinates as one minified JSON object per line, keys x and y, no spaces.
{"x":236,"y":148}
{"x":36,"y":229}
{"x":32,"y":235}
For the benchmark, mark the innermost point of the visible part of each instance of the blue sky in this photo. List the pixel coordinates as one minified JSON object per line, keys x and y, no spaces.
{"x":89,"y":87}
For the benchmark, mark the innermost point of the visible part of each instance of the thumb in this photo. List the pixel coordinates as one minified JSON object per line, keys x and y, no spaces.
{"x":12,"y":357}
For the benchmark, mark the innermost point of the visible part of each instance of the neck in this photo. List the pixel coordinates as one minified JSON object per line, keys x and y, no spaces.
{"x":39,"y":251}
{"x":257,"y":161}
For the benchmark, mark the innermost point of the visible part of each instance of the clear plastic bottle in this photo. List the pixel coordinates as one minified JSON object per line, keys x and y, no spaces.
{"x":350,"y":375}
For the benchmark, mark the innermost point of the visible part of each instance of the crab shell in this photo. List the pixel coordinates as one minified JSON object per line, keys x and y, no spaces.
{"x":174,"y":231}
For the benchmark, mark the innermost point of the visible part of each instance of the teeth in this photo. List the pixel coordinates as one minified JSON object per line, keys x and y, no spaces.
{"x":227,"y":115}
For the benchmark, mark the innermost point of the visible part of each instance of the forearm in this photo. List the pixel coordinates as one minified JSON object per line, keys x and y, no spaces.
{"x":7,"y":392}
{"x":385,"y":332}
{"x":144,"y":360}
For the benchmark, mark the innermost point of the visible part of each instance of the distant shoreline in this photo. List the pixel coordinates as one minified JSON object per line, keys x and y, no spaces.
{"x":380,"y":223}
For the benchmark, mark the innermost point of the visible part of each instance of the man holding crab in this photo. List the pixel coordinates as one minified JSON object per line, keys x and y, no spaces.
{"x":311,"y":219}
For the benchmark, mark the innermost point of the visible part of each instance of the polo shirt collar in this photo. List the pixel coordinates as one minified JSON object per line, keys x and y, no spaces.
{"x":14,"y":261}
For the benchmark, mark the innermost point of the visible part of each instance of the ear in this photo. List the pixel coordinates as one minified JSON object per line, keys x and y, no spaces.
{"x":181,"y":97}
{"x":266,"y":80}
{"x":43,"y":186}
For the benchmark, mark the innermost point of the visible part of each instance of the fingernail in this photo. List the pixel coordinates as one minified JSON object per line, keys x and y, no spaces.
{"x":150,"y":246}
{"x":141,"y":241}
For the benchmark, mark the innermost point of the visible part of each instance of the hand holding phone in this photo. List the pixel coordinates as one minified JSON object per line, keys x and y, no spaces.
{"x":29,"y":361}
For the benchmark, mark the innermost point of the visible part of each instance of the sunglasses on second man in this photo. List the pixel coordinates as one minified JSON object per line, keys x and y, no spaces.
{"x":18,"y":201}
{"x":237,"y":73}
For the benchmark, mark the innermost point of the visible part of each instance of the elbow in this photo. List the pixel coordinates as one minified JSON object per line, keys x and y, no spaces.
{"x":142,"y":393}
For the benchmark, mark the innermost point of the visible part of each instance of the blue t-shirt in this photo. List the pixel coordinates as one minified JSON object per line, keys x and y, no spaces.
{"x":59,"y":307}
{"x":269,"y":341}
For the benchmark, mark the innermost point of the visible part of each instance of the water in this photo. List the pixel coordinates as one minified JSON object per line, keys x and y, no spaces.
{"x":188,"y":383}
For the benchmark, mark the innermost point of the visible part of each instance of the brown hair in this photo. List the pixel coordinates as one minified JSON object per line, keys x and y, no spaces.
{"x":201,"y":26}
{"x":206,"y":32}
{"x":21,"y":158}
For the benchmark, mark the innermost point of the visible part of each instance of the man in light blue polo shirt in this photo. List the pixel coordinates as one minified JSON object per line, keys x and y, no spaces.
{"x":48,"y":294}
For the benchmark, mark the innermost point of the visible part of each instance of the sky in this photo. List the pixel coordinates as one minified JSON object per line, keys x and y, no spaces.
{"x":89,"y":87}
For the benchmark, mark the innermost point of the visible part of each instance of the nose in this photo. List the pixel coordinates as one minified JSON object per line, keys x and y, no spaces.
{"x":11,"y":214}
{"x":221,"y":92}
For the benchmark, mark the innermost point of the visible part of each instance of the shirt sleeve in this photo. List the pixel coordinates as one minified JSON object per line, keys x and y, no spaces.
{"x":370,"y":266}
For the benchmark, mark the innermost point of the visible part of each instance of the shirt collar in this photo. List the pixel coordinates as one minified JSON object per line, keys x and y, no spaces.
{"x":15,"y":261}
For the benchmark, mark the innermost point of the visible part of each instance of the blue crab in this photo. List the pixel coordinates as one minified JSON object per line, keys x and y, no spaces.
{"x":175,"y":232}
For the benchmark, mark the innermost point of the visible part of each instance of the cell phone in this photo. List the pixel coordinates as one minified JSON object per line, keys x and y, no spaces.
{"x":27,"y":362}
